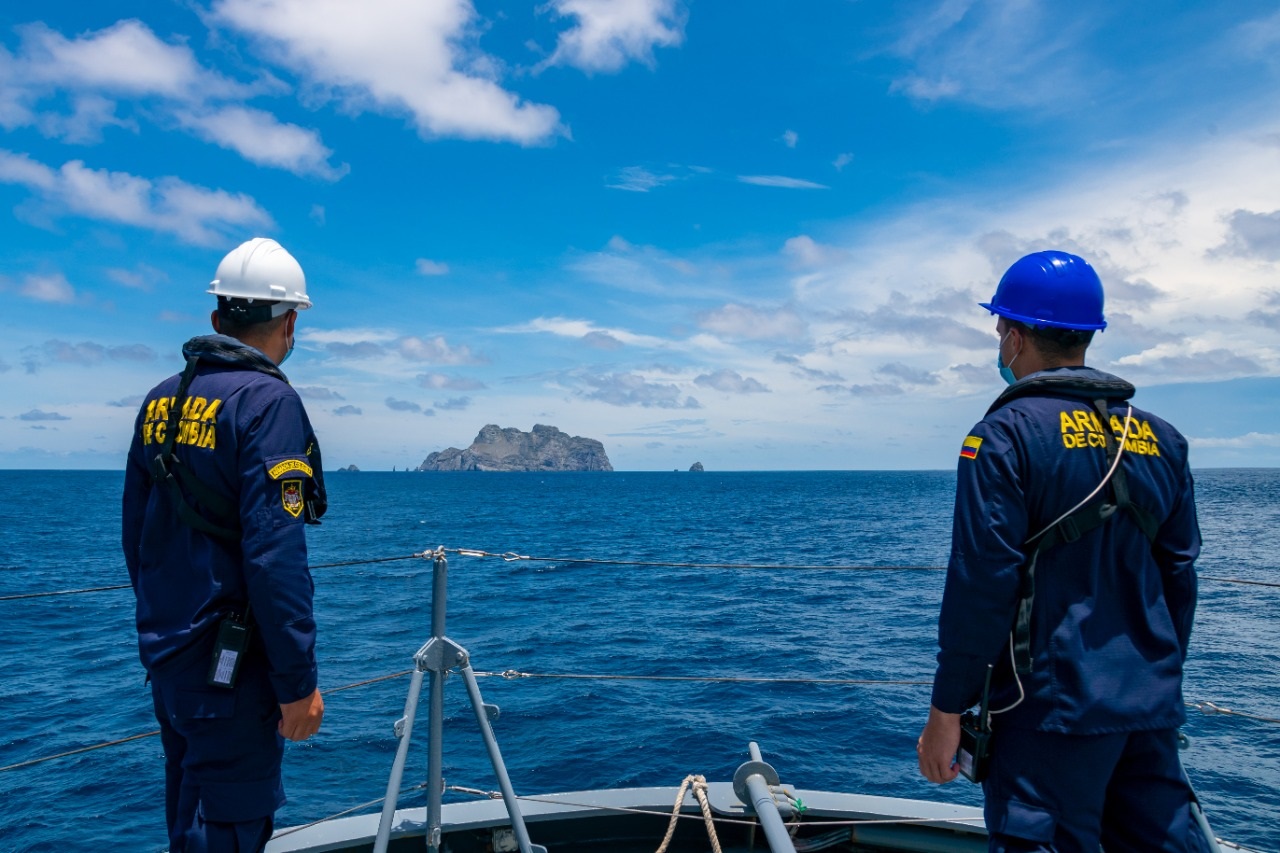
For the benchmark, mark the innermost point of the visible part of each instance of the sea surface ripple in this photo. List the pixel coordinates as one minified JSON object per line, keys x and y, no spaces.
{"x":69,"y":675}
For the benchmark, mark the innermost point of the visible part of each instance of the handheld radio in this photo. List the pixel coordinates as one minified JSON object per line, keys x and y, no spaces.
{"x":973,"y":758}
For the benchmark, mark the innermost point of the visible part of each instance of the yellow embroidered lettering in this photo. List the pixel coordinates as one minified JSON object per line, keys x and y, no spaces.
{"x":1068,"y":425}
{"x":1082,"y":420}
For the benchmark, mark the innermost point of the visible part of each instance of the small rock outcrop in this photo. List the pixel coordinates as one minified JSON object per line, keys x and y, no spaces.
{"x":697,"y":466}
{"x":349,"y":468}
{"x":546,"y":448}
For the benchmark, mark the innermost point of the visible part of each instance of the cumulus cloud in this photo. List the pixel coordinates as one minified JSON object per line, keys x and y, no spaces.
{"x":907,"y":374}
{"x":40,"y":415}
{"x":261,"y":138}
{"x":790,"y":138}
{"x":398,"y":57}
{"x":343,"y":411}
{"x":808,"y":252}
{"x":842,"y":160}
{"x":441,"y":381}
{"x":1252,"y":235}
{"x":1269,"y":319}
{"x":914,"y":322}
{"x":1240,"y":442}
{"x":878,"y":389}
{"x":402,"y":405}
{"x":730,"y":382}
{"x":354,"y":351}
{"x":453,"y":404}
{"x":587,"y":332}
{"x":801,"y":369}
{"x":436,"y":351}
{"x":1170,"y":360}
{"x":429,"y":267}
{"x":85,"y":354}
{"x":192,"y":213}
{"x":317,"y":392}
{"x":127,"y":60}
{"x":48,"y":288}
{"x":631,"y":389}
{"x":602,"y":340}
{"x":747,"y":323}
{"x":781,"y":181}
{"x":608,"y":34}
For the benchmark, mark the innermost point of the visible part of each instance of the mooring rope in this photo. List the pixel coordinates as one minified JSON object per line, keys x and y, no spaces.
{"x":699,"y":785}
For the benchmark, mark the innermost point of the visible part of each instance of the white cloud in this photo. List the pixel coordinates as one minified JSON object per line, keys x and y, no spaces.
{"x":610,"y":33}
{"x":842,"y":160}
{"x":429,"y":267}
{"x":402,"y":405}
{"x":743,"y":322}
{"x":781,"y":181}
{"x":346,"y":336}
{"x":441,"y":381}
{"x":48,"y":288}
{"x":790,"y":138}
{"x":632,"y":389}
{"x":638,"y":179}
{"x":192,"y":213}
{"x":1251,"y":234}
{"x":808,"y":252}
{"x":730,"y":382}
{"x":398,"y":57}
{"x":586,"y":331}
{"x":995,"y":53}
{"x":1246,"y":441}
{"x":125,"y":58}
{"x":436,"y":351}
{"x":261,"y":138}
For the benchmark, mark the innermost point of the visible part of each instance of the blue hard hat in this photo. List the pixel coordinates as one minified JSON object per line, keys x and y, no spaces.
{"x":1050,"y":289}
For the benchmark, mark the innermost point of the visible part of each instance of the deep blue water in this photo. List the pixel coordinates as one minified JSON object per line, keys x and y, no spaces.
{"x":69,"y":675}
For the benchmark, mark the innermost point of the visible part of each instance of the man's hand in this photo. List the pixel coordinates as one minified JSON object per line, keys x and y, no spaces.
{"x":937,"y":746}
{"x":300,"y":720}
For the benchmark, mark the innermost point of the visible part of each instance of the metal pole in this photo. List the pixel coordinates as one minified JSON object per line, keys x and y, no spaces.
{"x":435,"y":707}
{"x":495,"y":758}
{"x":751,"y":785}
{"x":404,"y":728}
{"x":774,"y":829}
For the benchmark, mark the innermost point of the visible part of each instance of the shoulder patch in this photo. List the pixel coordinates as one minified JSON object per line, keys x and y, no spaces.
{"x":291,"y":497}
{"x":279,"y":469}
{"x":969,"y":450}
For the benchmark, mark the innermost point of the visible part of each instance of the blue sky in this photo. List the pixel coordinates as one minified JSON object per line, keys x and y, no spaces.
{"x":747,"y":234}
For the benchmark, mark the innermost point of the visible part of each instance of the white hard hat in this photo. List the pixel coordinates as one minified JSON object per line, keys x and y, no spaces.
{"x":261,"y":269}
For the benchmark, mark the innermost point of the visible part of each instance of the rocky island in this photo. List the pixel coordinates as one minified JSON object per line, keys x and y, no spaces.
{"x":546,"y":448}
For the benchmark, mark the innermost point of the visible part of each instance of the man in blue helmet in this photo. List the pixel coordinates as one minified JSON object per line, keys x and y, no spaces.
{"x":1070,"y":590}
{"x":222,"y":474}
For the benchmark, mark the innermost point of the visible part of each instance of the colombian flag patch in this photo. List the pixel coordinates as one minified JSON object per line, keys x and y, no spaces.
{"x":969,"y":450}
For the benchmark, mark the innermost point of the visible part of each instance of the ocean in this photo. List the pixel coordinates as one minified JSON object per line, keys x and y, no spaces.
{"x":69,"y":675}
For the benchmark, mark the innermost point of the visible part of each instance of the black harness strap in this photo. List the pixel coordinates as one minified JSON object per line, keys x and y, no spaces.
{"x":168,"y":470}
{"x":1071,"y":528}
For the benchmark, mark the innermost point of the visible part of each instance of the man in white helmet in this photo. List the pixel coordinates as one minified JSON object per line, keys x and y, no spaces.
{"x":223,"y":472}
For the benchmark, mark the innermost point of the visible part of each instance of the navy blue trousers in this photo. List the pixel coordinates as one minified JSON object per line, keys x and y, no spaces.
{"x":222,"y":757}
{"x":1064,"y":793}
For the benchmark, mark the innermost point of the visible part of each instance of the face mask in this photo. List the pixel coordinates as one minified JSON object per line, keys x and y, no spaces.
{"x":1006,"y":370}
{"x":287,"y":352}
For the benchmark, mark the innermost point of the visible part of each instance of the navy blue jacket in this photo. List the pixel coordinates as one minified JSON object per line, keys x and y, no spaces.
{"x":244,"y":433}
{"x":1112,"y":611}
